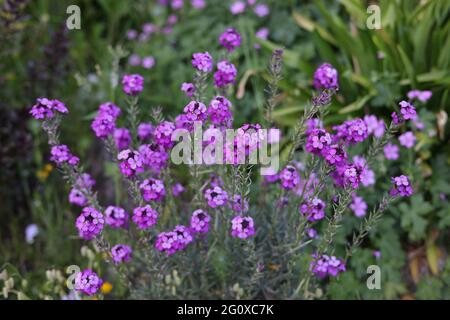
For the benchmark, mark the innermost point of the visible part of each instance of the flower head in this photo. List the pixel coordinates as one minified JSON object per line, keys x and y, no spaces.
{"x":121,"y":253}
{"x":144,"y":131}
{"x":116,"y":217}
{"x":130,"y":162}
{"x":132,"y":84}
{"x":188,"y":88}
{"x":61,"y":154}
{"x":45,"y":108}
{"x":216,"y":197}
{"x":200,"y":221}
{"x":89,"y":223}
{"x":145,"y":217}
{"x":226,"y":74}
{"x":167,"y":242}
{"x":326,"y":266}
{"x":326,"y":77}
{"x":401,"y":186}
{"x":77,"y":197}
{"x":122,"y":138}
{"x":408,"y":139}
{"x":391,"y":151}
{"x":154,"y":157}
{"x":230,"y":39}
{"x":317,"y":141}
{"x":242,"y":227}
{"x":289,"y":177}
{"x":152,"y":189}
{"x":163,"y":134}
{"x":352,"y":131}
{"x":87,"y":282}
{"x":202,"y":62}
{"x":358,"y":206}
{"x":219,"y":111}
{"x":313,"y":209}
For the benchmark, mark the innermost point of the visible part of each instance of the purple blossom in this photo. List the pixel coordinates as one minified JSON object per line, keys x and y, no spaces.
{"x":401,"y":186}
{"x":195,"y":111}
{"x":122,"y":138}
{"x":216,"y":197}
{"x":61,"y":154}
{"x":177,"y":4}
{"x":236,"y":204}
{"x":313,"y":209}
{"x":103,"y":125}
{"x":76,"y":197}
{"x":374,"y":126}
{"x":188,"y":88}
{"x":326,"y":77}
{"x":313,"y":123}
{"x":219,"y":111}
{"x":261,"y":10}
{"x":121,"y":253}
{"x":358,"y":206}
{"x":242,"y":227}
{"x":422,"y":96}
{"x":152,"y":189}
{"x":202,"y":62}
{"x":44,"y":108}
{"x":237,"y":7}
{"x":148,"y":62}
{"x":326,"y":266}
{"x":88,"y":282}
{"x":289,"y":178}
{"x":134,"y":60}
{"x":352,"y":131}
{"x":407,"y":111}
{"x":116,"y":217}
{"x":408,"y":139}
{"x":85,"y":181}
{"x":183,"y":237}
{"x":132,"y":34}
{"x":352,"y":175}
{"x":163,"y":134}
{"x":317,"y":141}
{"x":109,"y":108}
{"x":198,"y":4}
{"x":230,"y":39}
{"x":132,"y":84}
{"x":177,"y":189}
{"x":131,"y":162}
{"x":391,"y":151}
{"x":226,"y":74}
{"x":200,"y":221}
{"x":145,"y":217}
{"x":262,"y":34}
{"x":89,"y":223}
{"x":167,"y":242}
{"x":144,"y":131}
{"x":334,"y":154}
{"x":311,"y":233}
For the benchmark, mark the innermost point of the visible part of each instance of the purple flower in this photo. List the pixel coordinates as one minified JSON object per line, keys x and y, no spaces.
{"x":103,"y":125}
{"x":145,"y":217}
{"x":76,"y":197}
{"x":149,"y":28}
{"x":177,"y":189}
{"x":313,"y":209}
{"x":154,"y":157}
{"x":262,"y":34}
{"x":188,"y":88}
{"x":89,"y":223}
{"x":122,"y":138}
{"x":311,"y":233}
{"x":109,"y":108}
{"x":358,"y":206}
{"x":61,"y":154}
{"x":237,"y":7}
{"x":195,"y":111}
{"x":177,"y":4}
{"x":326,"y":77}
{"x":87,"y":282}
{"x":163,"y":134}
{"x":219,"y":111}
{"x":144,"y":131}
{"x":216,"y":197}
{"x":374,"y":126}
{"x":391,"y":151}
{"x":289,"y":178}
{"x":326,"y":266}
{"x":202,"y":62}
{"x":261,"y":10}
{"x":367,"y":175}
{"x":198,"y":4}
{"x":132,"y":84}
{"x":236,"y":204}
{"x":226,"y":74}
{"x":242,"y":227}
{"x":167,"y":242}
{"x":132,"y":34}
{"x":408,"y":139}
{"x":377,"y":254}
{"x":148,"y":62}
{"x":200,"y":221}
{"x":85,"y":181}
{"x":313,"y":123}
{"x":401,"y":187}
{"x":183,"y":237}
{"x":134,"y":60}
{"x":116,"y":217}
{"x":352,"y":131}
{"x":44,"y":108}
{"x":334,"y":155}
{"x":230,"y":39}
{"x":407,"y":111}
{"x":352,"y":175}
{"x":131,"y":162}
{"x":317,"y":141}
{"x":152,"y":189}
{"x":422,"y":96}
{"x":121,"y":253}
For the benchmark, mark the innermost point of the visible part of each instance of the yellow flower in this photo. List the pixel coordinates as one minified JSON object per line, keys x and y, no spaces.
{"x":106,"y":287}
{"x":48,"y":167}
{"x":43,"y":173}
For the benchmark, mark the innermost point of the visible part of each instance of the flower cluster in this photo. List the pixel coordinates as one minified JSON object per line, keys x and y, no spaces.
{"x":122,"y":138}
{"x":121,"y":253}
{"x":145,"y":217}
{"x":401,"y":187}
{"x":133,"y":84}
{"x":152,"y":189}
{"x":242,"y":227}
{"x":326,"y":77}
{"x":61,"y":154}
{"x":104,"y":123}
{"x":313,"y":209}
{"x":45,"y":108}
{"x":163,"y":134}
{"x":154,"y":157}
{"x":317,"y":141}
{"x":87,"y":282}
{"x":188,"y":88}
{"x":230,"y":39}
{"x":173,"y":241}
{"x":200,"y":221}
{"x":131,"y":162}
{"x":289,"y":177}
{"x":327,"y":266}
{"x":89,"y":223}
{"x":219,"y":112}
{"x":226,"y":74}
{"x":352,"y":131}
{"x":216,"y":197}
{"x":116,"y":217}
{"x":145,"y":131}
{"x":407,"y":112}
{"x":202,"y":62}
